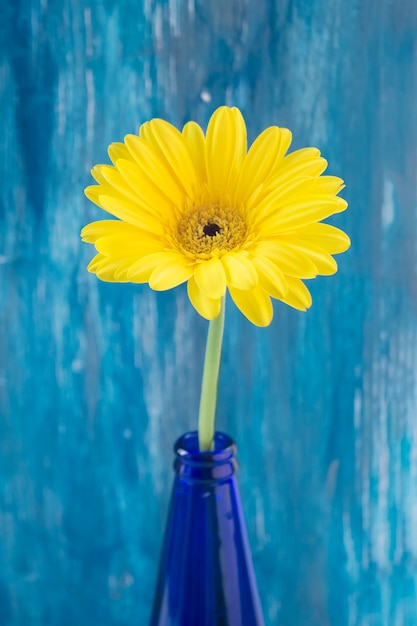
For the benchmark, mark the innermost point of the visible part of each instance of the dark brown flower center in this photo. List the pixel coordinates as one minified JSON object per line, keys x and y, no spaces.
{"x":211,"y":230}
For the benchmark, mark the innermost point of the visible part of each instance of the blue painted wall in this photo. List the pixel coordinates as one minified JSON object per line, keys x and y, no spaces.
{"x":97,"y":380}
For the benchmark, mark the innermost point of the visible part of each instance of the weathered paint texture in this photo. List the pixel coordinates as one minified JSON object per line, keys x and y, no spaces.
{"x":97,"y":380}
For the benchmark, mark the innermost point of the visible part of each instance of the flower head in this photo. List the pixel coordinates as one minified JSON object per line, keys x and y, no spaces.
{"x":202,"y":209}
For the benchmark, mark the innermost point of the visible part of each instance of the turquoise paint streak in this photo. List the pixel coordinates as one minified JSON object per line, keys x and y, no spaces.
{"x":97,"y":380}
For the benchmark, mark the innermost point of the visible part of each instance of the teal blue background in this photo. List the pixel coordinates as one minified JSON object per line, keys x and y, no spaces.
{"x":97,"y":380}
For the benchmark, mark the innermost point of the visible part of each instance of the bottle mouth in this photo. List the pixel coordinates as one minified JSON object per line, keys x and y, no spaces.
{"x":208,"y":464}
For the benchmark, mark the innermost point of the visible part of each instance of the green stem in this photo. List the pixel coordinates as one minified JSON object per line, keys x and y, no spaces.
{"x":208,"y":397}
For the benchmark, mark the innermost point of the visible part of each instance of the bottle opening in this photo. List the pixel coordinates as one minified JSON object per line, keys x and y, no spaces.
{"x":209,"y":464}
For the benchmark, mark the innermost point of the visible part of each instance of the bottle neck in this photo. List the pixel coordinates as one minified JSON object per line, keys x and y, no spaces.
{"x":210,"y":465}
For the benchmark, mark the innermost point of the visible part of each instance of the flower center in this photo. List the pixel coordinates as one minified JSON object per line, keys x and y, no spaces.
{"x":209,"y":228}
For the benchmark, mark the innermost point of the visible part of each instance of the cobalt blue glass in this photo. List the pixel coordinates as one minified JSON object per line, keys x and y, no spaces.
{"x":206,"y":575}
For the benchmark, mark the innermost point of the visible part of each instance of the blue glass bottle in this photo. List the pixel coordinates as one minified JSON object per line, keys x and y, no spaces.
{"x":206,"y":575}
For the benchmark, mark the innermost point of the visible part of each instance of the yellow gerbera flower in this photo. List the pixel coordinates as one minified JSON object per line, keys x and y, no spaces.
{"x":202,"y":209}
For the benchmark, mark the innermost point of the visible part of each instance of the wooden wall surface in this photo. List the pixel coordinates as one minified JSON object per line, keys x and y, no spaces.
{"x":97,"y":380}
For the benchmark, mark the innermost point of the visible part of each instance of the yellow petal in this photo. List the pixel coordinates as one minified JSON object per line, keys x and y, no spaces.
{"x":135,"y":212}
{"x":170,"y":274}
{"x":113,"y":178}
{"x":194,"y":136}
{"x":326,"y":265}
{"x":211,"y":278}
{"x":270,"y":277}
{"x":299,"y":164}
{"x":255,"y":304}
{"x":290,"y":262}
{"x":299,"y":213}
{"x":303,"y":158}
{"x":267,"y":149}
{"x":97,"y":175}
{"x":298,"y":295}
{"x":120,"y":246}
{"x":174,"y":149}
{"x":331,"y":239}
{"x":329,"y":184}
{"x":284,"y":144}
{"x":153,"y":198}
{"x":226,"y":149}
{"x":131,"y":212}
{"x":141,"y":271}
{"x":114,"y":183}
{"x":209,"y":308}
{"x":154,"y":168}
{"x":93,"y":192}
{"x":294,"y":190}
{"x":239,"y":270}
{"x":121,"y":273}
{"x":107,"y":272}
{"x":95,"y":263}
{"x":94,"y":230}
{"x":104,"y":268}
{"x":118,"y":151}
{"x":268,"y":204}
{"x":124,"y":245}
